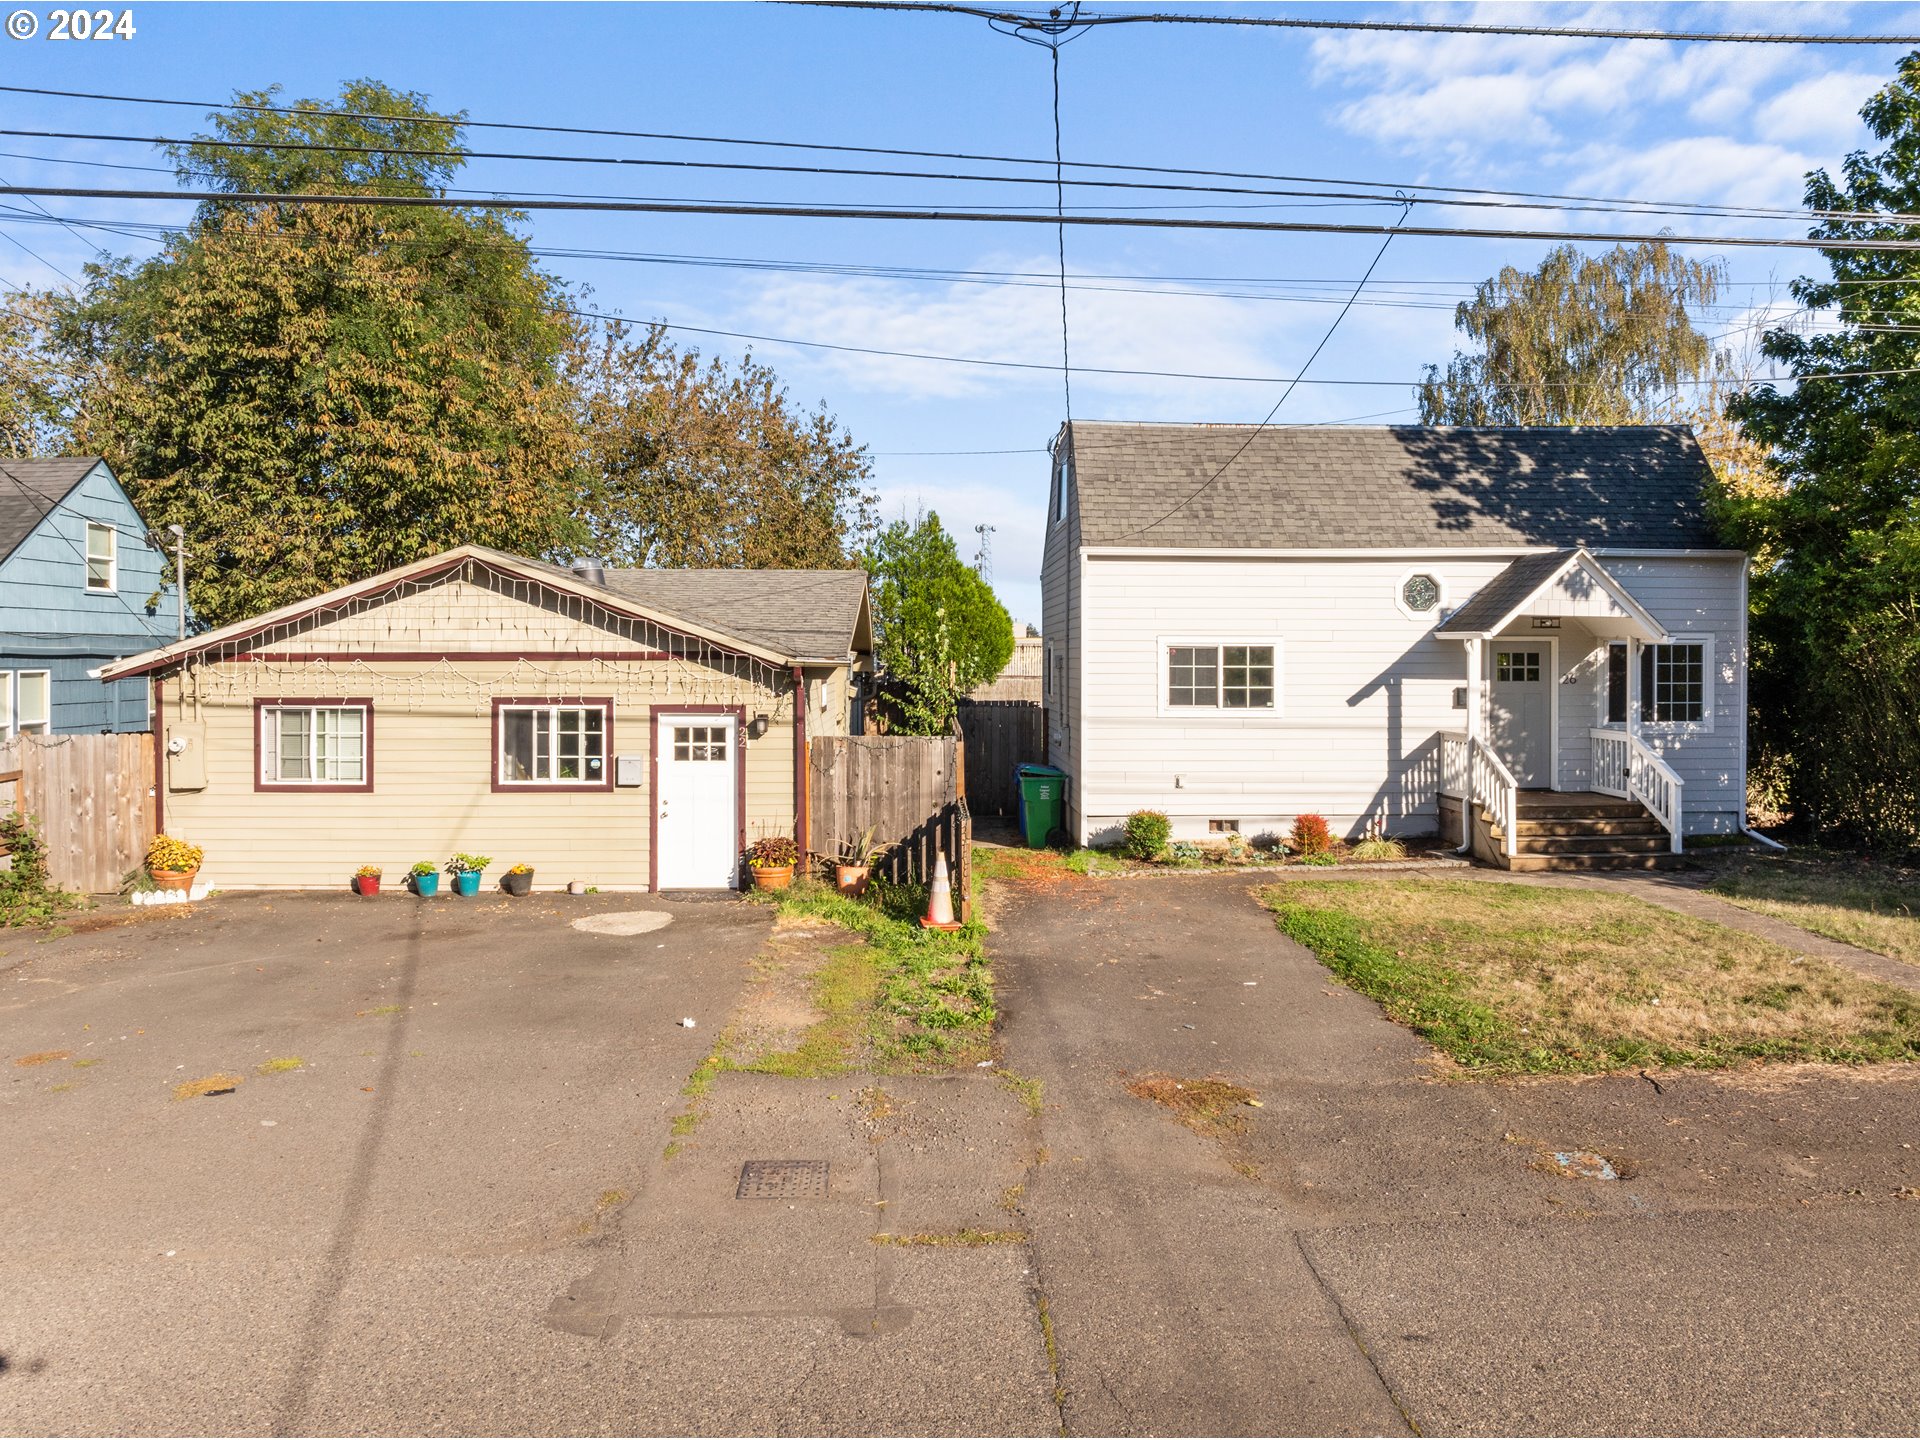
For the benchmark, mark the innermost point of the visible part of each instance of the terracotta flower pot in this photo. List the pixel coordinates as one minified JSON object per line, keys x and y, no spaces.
{"x":366,"y":884}
{"x":851,"y":880}
{"x":772,"y":877}
{"x":174,"y":879}
{"x":517,"y":882}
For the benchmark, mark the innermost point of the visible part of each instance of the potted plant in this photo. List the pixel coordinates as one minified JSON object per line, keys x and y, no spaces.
{"x":772,"y":860}
{"x":518,"y":880}
{"x":366,"y":880}
{"x":465,"y":870}
{"x":854,"y":868}
{"x":173,"y":863}
{"x":425,"y":878}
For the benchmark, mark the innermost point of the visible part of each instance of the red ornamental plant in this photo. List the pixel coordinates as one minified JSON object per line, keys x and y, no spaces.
{"x":1310,"y":835}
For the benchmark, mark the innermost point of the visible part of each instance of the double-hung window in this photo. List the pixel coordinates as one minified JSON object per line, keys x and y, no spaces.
{"x":1221,"y":677}
{"x":560,"y":743}
{"x":315,"y":744}
{"x":103,"y":557}
{"x":1673,"y":683}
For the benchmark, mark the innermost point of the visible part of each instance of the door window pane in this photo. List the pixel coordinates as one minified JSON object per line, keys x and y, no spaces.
{"x":1520,"y":666}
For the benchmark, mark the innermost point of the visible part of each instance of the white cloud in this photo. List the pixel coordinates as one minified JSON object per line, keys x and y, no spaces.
{"x":1699,"y":168}
{"x":1823,"y":111}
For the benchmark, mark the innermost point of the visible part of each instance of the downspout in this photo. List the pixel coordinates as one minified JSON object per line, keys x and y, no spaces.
{"x":1746,"y":702}
{"x":801,"y":827}
{"x":159,"y":755}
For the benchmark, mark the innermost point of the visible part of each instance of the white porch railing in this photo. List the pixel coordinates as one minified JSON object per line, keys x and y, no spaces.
{"x":1470,"y":769}
{"x":1625,"y":765}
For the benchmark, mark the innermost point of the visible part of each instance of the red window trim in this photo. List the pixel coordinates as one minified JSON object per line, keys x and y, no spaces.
{"x":553,"y":787}
{"x":308,"y":787}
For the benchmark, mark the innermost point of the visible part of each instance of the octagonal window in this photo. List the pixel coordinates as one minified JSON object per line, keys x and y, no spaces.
{"x":1420,"y":593}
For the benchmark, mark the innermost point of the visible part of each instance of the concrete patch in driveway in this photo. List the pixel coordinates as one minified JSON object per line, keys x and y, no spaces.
{"x":624,"y":922}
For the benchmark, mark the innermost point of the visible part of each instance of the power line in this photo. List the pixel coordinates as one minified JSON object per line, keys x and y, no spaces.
{"x":1019,"y":20}
{"x":992,"y":217}
{"x":1672,"y":207}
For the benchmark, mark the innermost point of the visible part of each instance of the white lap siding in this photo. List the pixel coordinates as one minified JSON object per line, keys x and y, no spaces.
{"x":1363,"y":688}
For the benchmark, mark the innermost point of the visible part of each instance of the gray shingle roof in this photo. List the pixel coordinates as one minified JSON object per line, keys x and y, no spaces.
{"x":1354,"y":487}
{"x":808,"y":614}
{"x":1499,"y":595}
{"x":31,"y":488}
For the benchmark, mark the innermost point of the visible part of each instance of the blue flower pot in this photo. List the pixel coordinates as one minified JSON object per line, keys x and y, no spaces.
{"x":467,"y":882}
{"x":426,"y":886}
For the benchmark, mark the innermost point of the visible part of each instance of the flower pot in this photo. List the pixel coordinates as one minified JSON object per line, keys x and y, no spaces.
{"x":517,"y":882}
{"x":466,"y":882}
{"x":851,"y":880}
{"x":772,"y":877}
{"x":173,"y":879}
{"x":426,"y":886}
{"x":366,"y":884}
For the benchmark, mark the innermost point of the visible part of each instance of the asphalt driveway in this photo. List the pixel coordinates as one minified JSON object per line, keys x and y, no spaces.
{"x":477,"y":1082}
{"x":1378,"y":1251}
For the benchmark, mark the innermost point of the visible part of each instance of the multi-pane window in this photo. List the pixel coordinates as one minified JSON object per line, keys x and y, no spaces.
{"x":26,"y":703}
{"x":1231,"y":677}
{"x":1673,"y":682}
{"x":1521,"y":666}
{"x":700,"y":742}
{"x":314,"y":745}
{"x":103,"y":557}
{"x":553,"y":745}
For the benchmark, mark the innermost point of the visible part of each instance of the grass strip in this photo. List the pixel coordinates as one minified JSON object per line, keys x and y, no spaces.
{"x":1513,"y":979}
{"x":1856,"y":902}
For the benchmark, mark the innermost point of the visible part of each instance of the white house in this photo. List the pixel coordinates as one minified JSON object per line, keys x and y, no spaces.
{"x":1244,"y":624}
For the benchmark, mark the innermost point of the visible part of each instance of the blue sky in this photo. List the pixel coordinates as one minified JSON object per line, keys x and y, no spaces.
{"x":1736,"y":124}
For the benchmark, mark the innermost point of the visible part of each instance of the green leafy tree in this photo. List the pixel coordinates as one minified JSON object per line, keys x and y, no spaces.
{"x":40,"y":388}
{"x":317,"y":393}
{"x":939,"y":628}
{"x":1582,"y":340}
{"x":1837,"y":607}
{"x":697,"y":464}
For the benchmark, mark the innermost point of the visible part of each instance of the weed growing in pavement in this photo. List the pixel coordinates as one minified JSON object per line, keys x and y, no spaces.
{"x":965,"y":1238}
{"x":1207,"y":1106}
{"x":1029,"y":1089}
{"x":205,"y":1085}
{"x":928,"y":993}
{"x":282,"y":1065}
{"x":43,"y":1057}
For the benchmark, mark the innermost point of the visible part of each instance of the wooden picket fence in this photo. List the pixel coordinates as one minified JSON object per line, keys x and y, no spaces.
{"x":999,"y":736}
{"x":91,"y":797}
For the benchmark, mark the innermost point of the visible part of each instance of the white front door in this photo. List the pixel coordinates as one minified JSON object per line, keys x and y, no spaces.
{"x":1520,"y":712}
{"x":698,"y":834}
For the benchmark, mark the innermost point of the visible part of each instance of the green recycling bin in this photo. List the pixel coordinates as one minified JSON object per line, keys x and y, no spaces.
{"x":1043,"y":803}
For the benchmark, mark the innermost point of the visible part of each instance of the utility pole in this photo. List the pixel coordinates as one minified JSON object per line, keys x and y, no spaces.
{"x":983,"y":557}
{"x":180,"y":574}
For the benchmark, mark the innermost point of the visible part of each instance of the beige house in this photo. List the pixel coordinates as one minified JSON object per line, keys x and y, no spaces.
{"x":628,"y":729}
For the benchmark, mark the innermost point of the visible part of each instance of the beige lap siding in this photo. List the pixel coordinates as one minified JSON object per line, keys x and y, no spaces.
{"x":433,"y":771}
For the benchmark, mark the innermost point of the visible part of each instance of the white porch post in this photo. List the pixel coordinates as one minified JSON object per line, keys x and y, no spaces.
{"x":1633,"y":698}
{"x":1473,"y":689}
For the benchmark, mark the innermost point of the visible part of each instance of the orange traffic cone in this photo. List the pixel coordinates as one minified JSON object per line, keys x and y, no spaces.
{"x":939,"y":914}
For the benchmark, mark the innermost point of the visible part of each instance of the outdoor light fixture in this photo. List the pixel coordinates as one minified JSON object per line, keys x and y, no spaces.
{"x":756,"y":727}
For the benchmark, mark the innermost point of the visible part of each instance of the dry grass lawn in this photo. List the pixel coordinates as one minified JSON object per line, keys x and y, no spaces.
{"x":1511,"y":979}
{"x":1876,"y":907}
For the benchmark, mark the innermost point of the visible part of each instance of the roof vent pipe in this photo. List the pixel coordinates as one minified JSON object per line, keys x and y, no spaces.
{"x":593,"y":571}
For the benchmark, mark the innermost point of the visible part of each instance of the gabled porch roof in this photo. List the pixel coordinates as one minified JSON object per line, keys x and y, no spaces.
{"x":1585,"y":590}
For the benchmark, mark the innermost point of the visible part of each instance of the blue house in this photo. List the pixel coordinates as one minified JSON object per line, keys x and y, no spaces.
{"x":79,"y":586}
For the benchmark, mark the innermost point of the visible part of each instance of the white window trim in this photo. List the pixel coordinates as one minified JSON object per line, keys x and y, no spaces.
{"x":7,"y":731}
{"x":269,"y":722}
{"x":1439,"y":610}
{"x":21,"y":724}
{"x":1708,"y":681}
{"x":113,"y":559}
{"x":1212,"y":713}
{"x":597,"y":782}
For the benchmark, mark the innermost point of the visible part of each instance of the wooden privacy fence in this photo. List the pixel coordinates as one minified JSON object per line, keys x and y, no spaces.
{"x":92,"y":798}
{"x":906,"y":788}
{"x":999,"y":735}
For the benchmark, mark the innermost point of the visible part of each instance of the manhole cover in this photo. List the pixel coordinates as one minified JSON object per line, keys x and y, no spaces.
{"x":782,"y":1180}
{"x":623,"y":922}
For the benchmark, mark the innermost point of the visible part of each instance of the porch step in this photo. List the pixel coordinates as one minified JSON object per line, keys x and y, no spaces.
{"x":1593,"y":844}
{"x":1551,"y":806}
{"x":1664,"y":860}
{"x":1642,"y":824}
